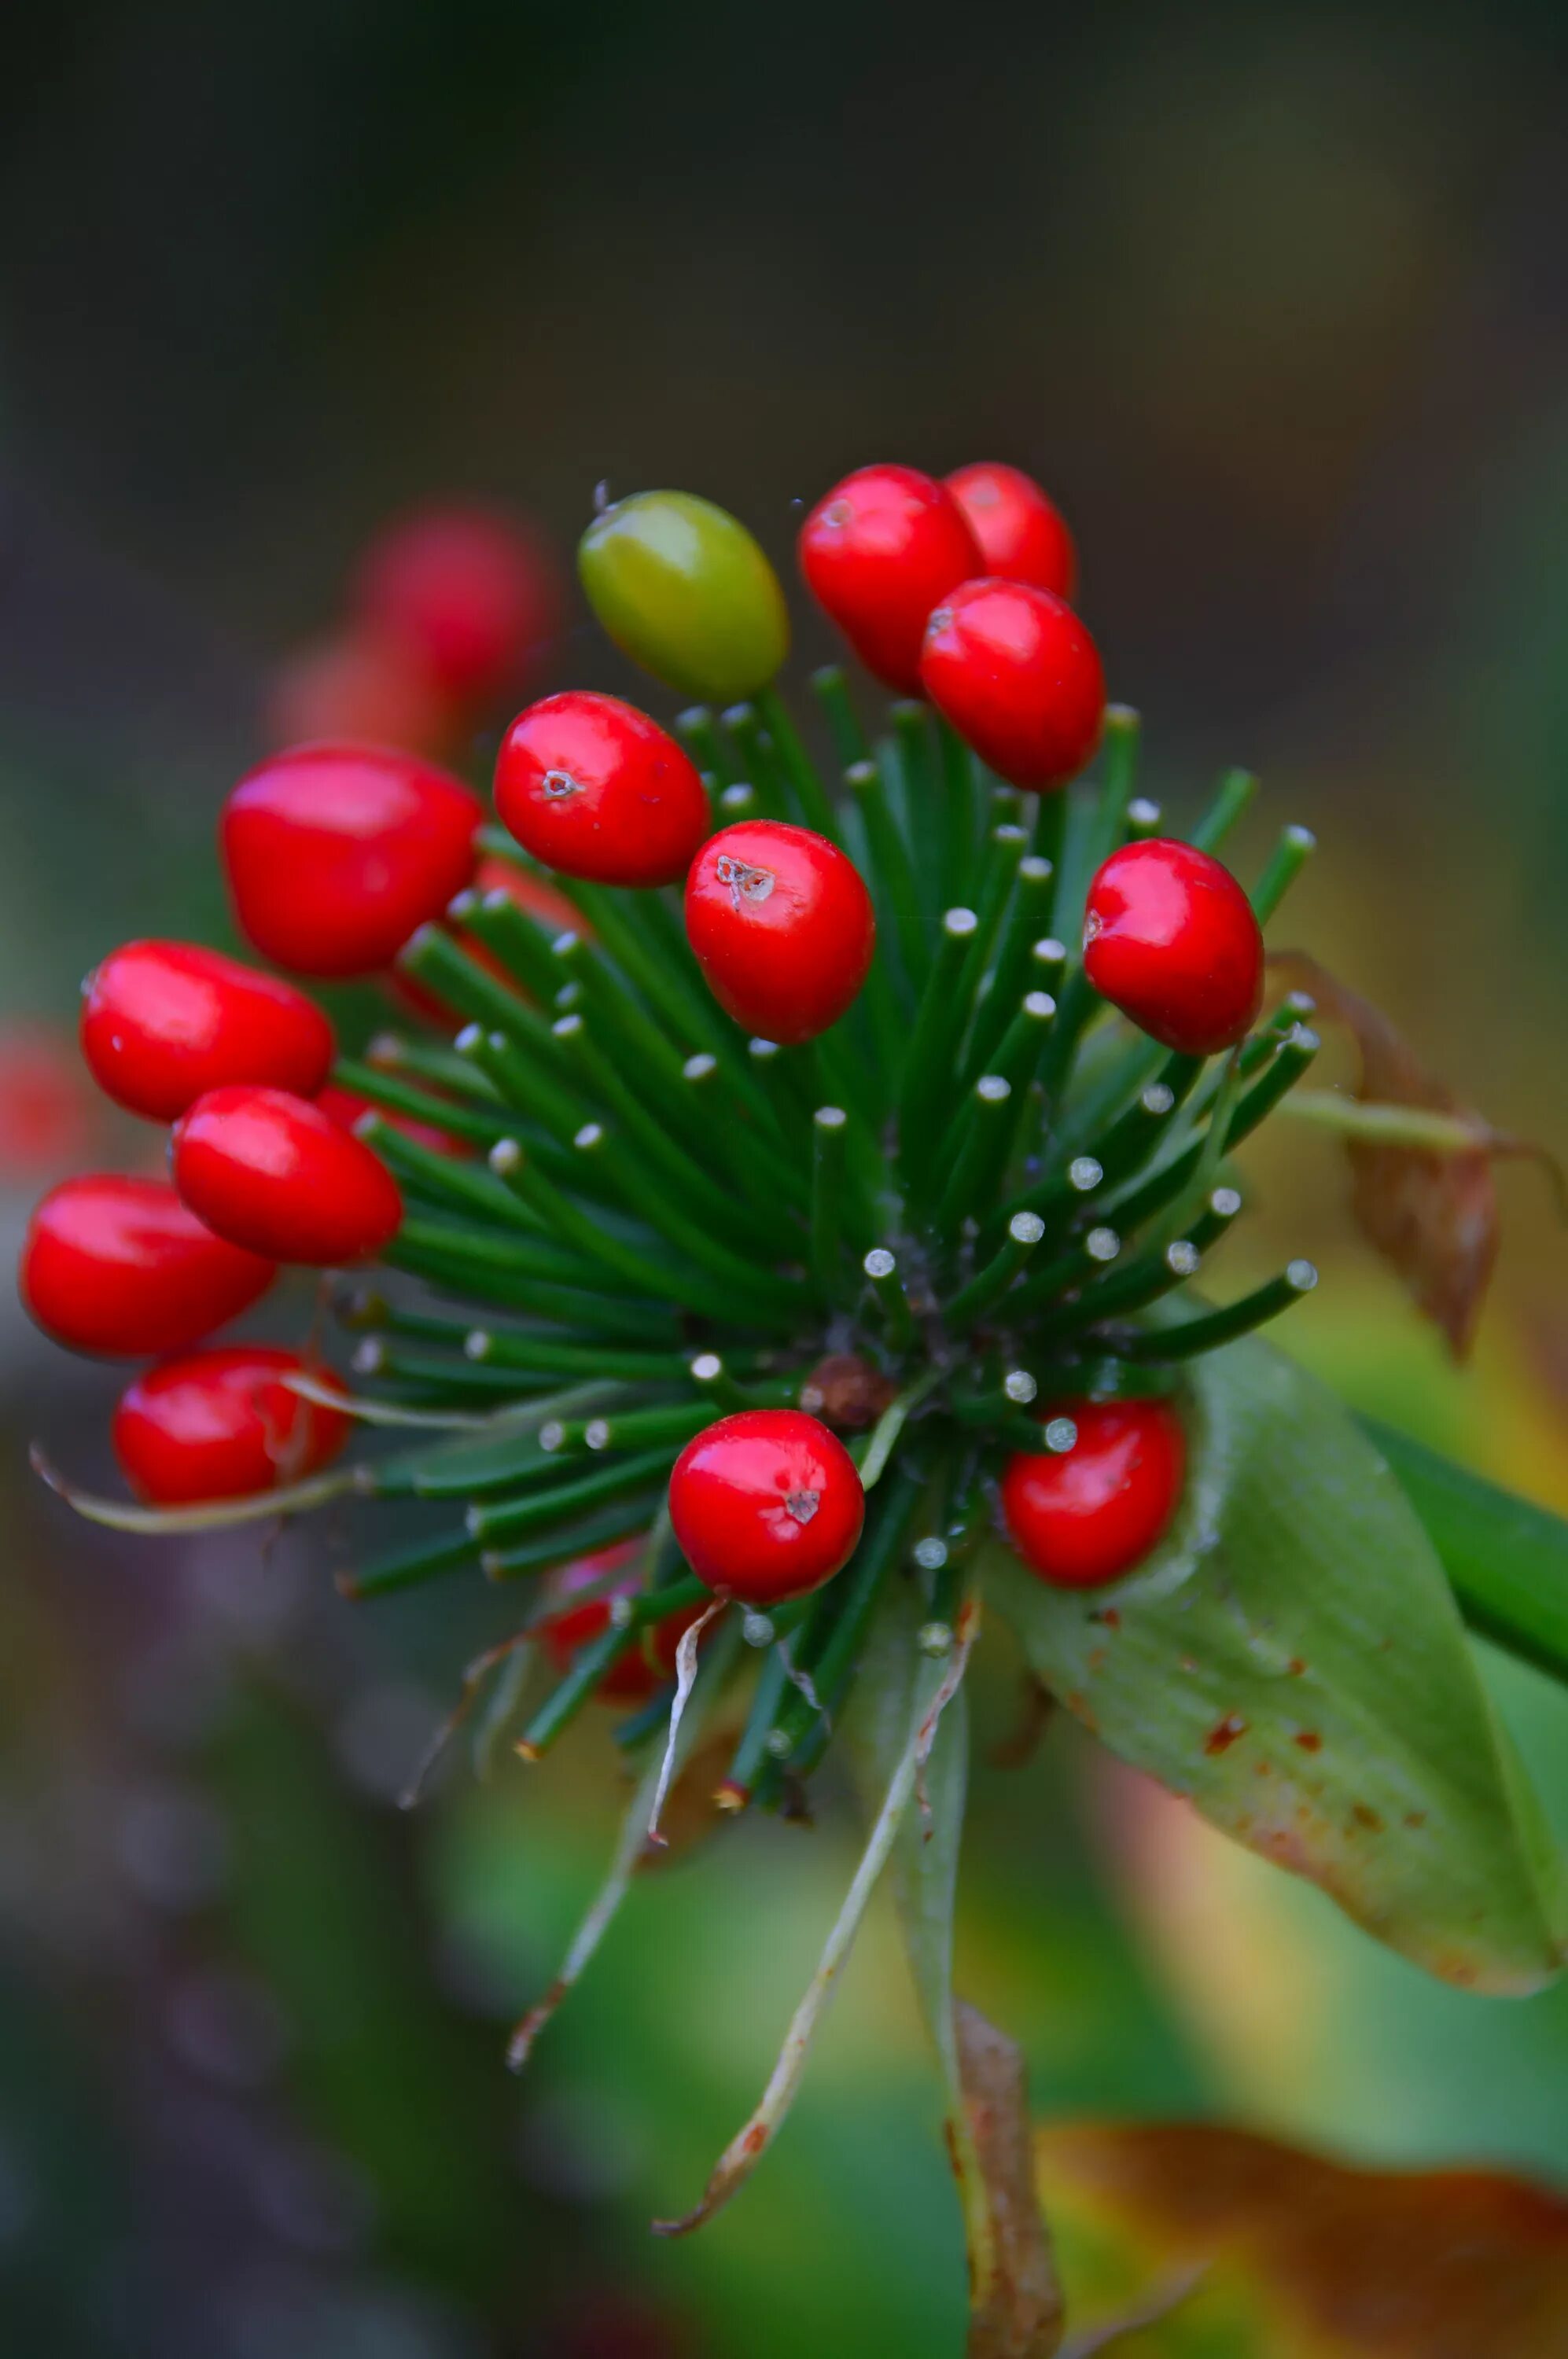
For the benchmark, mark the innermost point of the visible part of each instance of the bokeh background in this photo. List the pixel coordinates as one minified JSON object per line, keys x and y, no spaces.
{"x":1275,"y":300}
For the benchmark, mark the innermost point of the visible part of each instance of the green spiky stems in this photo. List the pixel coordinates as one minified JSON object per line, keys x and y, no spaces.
{"x":976,"y":1194}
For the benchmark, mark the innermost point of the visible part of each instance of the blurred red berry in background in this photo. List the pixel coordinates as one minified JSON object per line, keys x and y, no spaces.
{"x":470,"y":591}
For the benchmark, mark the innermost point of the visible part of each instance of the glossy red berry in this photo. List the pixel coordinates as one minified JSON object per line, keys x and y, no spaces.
{"x":1090,"y":1514}
{"x":878,"y":552}
{"x":1018,"y":675}
{"x":223,"y":1425}
{"x":336,"y":853}
{"x":273,"y":1172}
{"x":595,"y":789}
{"x":120,"y":1266}
{"x":1170,"y":939}
{"x":468,"y":592}
{"x":642,"y":1668}
{"x":161,"y":1022}
{"x":1021,"y":534}
{"x":767,"y":1505}
{"x":782,"y":926}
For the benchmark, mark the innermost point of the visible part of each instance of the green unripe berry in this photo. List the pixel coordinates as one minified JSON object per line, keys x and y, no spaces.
{"x":681,"y":587}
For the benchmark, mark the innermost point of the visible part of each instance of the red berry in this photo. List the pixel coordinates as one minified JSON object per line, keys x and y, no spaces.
{"x":1021,"y":534}
{"x":878,"y":552}
{"x":767,"y":1505}
{"x":1090,"y":1514}
{"x":365,"y":684}
{"x":161,"y":1022}
{"x":1170,"y":939}
{"x":271,"y":1172}
{"x":120,"y":1266}
{"x":223,"y":1425}
{"x":468,"y":592}
{"x":336,"y":853}
{"x":642,"y":1668}
{"x":592,"y":787}
{"x":1018,"y":675}
{"x":782,"y":926}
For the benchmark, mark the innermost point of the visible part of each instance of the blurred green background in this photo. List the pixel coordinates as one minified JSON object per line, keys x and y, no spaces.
{"x":1276,"y":303}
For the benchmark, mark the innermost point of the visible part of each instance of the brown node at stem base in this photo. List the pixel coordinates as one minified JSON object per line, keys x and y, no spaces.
{"x":845,"y":1390}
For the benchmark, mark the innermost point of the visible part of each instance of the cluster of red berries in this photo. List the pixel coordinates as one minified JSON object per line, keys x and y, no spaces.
{"x":339,"y":856}
{"x":447,"y":609}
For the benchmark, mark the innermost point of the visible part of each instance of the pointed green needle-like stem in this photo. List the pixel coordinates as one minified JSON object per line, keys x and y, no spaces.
{"x":715,"y":1377}
{"x":882,"y":1268}
{"x":809,"y":795}
{"x":506,"y":1520}
{"x":737,"y":802}
{"x":471,"y":1190}
{"x":617,"y":1173}
{"x":673,"y":991}
{"x":461,"y":1379}
{"x":1212,"y":1328}
{"x":523,"y":1082}
{"x":997,"y":1404}
{"x":432,"y":1062}
{"x":596,"y":1531}
{"x":759,"y":761}
{"x":547,"y":1355}
{"x":1001,"y":856}
{"x":1127,"y":1144}
{"x":698,"y":734}
{"x":918,"y":797}
{"x":929,"y":1060}
{"x":1143,"y":820}
{"x":1281,"y":870}
{"x":466,"y":1122}
{"x":433,"y":958}
{"x":510,"y":935}
{"x":1076,"y":1001}
{"x":519,"y":1273}
{"x":655,"y":1141}
{"x":634,"y":1429}
{"x":961,"y":804}
{"x":567,"y":1698}
{"x":830,"y":1126}
{"x":1019,"y":1055}
{"x":898,"y":890}
{"x":831,"y":688}
{"x":802,"y":1731}
{"x":988,"y":1138}
{"x":1013,"y":971}
{"x":766,"y":1300}
{"x":426,"y":1560}
{"x":1233,"y":797}
{"x":1146,"y":1277}
{"x":1048,"y":828}
{"x":990,"y":1284}
{"x":1292,"y":1056}
{"x":1124,"y":731}
{"x":510,"y":1458}
{"x":1066,"y":1271}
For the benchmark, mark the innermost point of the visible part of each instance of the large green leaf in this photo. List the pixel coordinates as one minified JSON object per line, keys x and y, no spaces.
{"x":1292,"y":1659}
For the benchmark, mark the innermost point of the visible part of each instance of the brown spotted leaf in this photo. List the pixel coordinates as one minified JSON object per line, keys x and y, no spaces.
{"x":1430,"y":1210}
{"x":1292,"y":1659}
{"x":1273,"y":2253}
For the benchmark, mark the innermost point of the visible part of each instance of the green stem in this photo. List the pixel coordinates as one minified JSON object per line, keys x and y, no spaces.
{"x":1207,"y":1332}
{"x":1232,"y":798}
{"x":1284,"y":864}
{"x":810,"y":794}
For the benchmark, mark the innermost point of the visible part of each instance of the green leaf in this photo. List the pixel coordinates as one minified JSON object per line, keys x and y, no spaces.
{"x":1507,"y":1558}
{"x":1292,"y":1659}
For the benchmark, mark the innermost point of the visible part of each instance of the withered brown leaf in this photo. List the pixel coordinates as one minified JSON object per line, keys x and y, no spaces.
{"x":1431,"y":1213}
{"x":1342,"y":2263}
{"x":1016,"y":2312}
